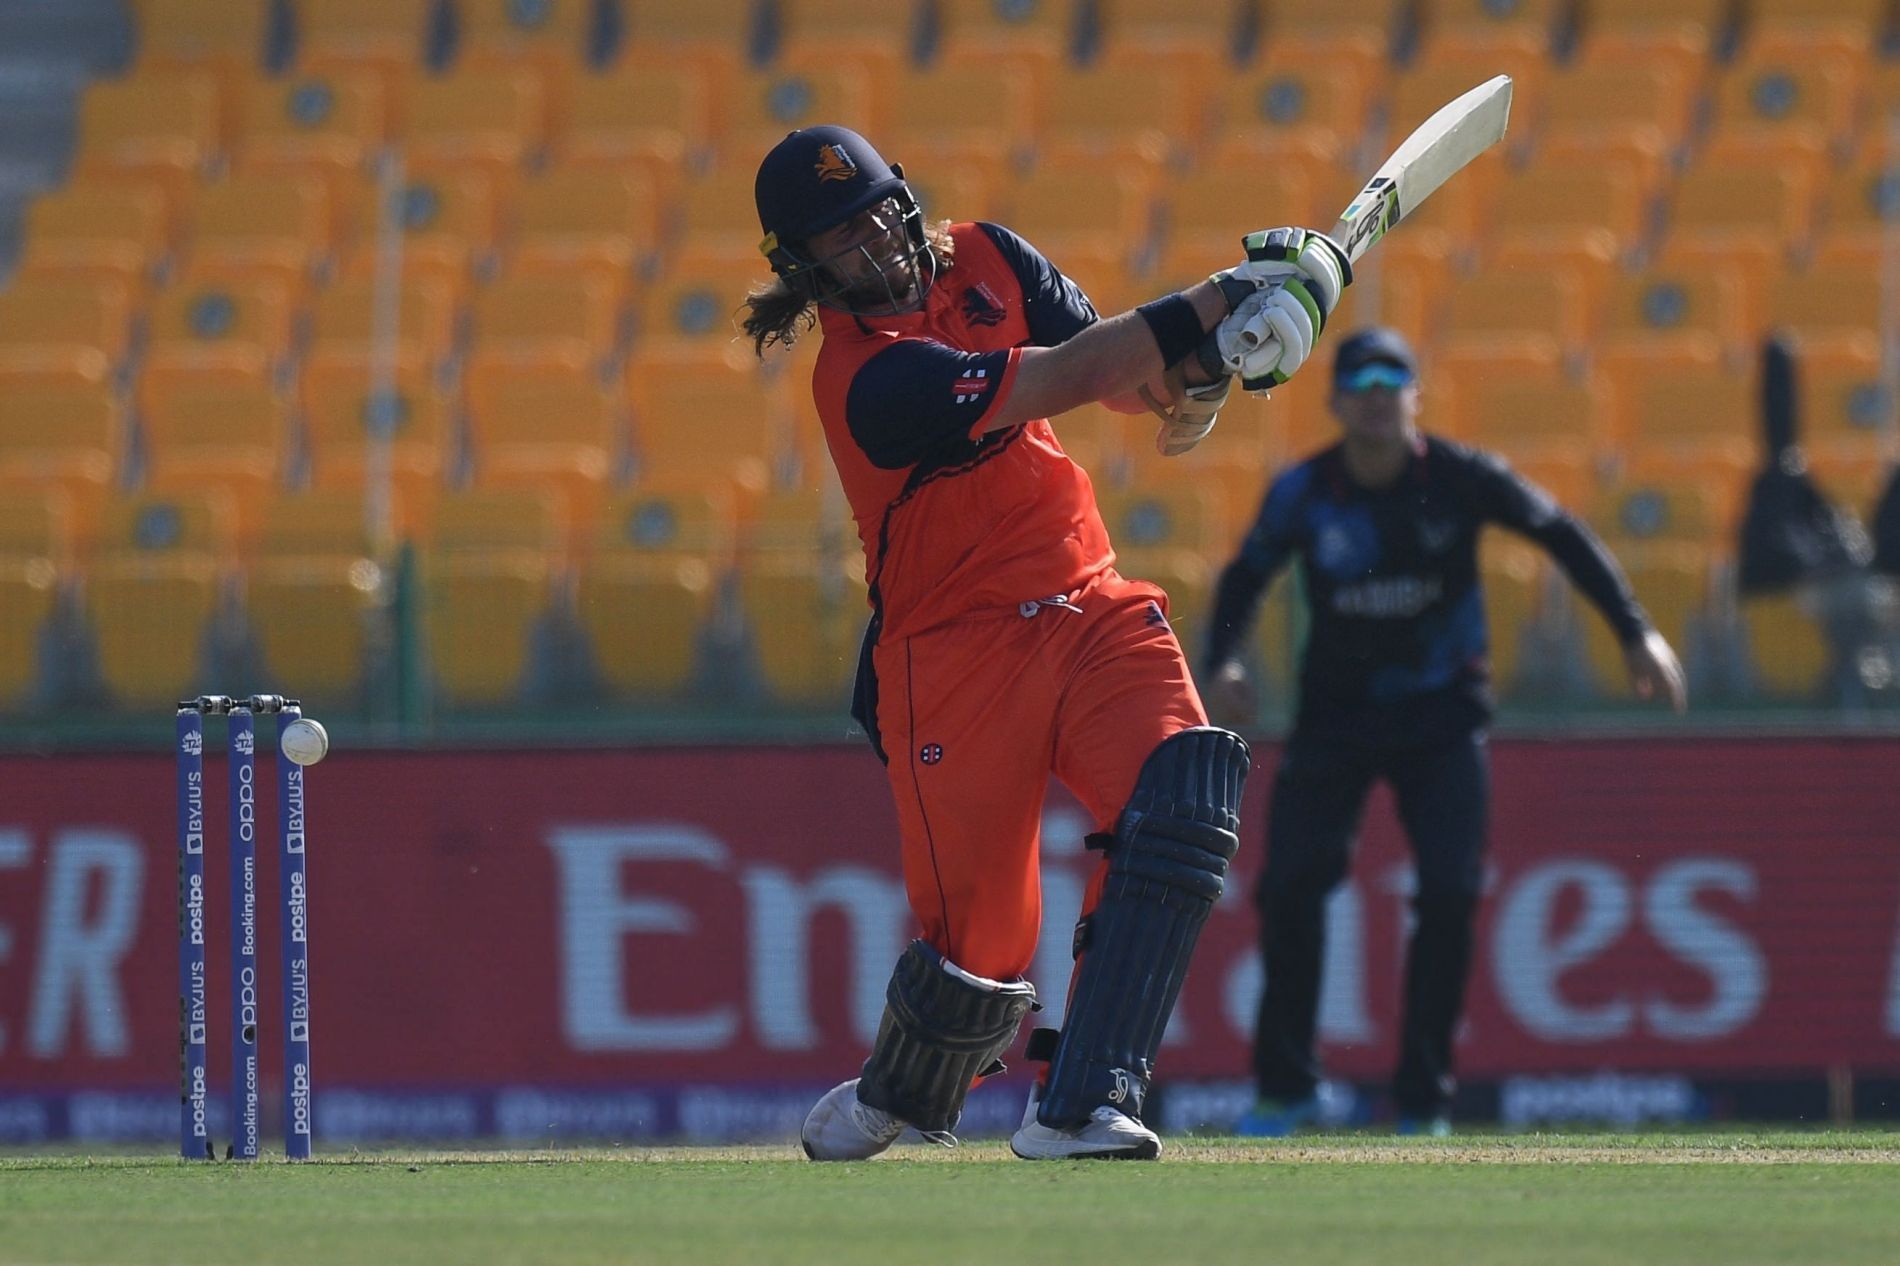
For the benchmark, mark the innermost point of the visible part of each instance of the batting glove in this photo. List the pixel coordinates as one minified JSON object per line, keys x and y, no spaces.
{"x":1267,"y":338}
{"x":1276,"y":256}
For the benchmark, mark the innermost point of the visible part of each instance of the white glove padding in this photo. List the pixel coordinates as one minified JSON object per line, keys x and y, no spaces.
{"x":1191,"y":417}
{"x":1269,"y":336}
{"x":1275,"y":256}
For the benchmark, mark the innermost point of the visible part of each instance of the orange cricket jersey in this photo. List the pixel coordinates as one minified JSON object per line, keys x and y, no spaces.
{"x":954,"y":520}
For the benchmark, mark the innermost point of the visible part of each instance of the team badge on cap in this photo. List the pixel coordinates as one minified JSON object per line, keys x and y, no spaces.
{"x":834,"y":164}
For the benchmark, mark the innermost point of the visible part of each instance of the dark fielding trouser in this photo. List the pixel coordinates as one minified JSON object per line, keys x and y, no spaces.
{"x":1442,"y":790}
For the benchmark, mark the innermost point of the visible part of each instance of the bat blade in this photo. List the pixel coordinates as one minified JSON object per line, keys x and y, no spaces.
{"x":1442,"y":145}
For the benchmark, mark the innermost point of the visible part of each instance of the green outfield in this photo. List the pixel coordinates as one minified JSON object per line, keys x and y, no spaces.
{"x":1612,"y":1199}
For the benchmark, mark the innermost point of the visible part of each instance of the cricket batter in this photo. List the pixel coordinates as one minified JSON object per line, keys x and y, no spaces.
{"x":1394,"y":684}
{"x":1002,"y":645}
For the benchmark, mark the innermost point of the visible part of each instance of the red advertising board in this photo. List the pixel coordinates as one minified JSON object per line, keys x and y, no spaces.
{"x":729,"y":916}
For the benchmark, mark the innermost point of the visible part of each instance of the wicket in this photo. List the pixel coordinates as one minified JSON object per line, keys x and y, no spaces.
{"x":193,"y":1018}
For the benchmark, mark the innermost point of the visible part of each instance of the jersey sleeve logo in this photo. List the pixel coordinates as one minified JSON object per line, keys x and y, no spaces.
{"x":834,"y":164}
{"x":980,"y":305}
{"x":971,"y":385}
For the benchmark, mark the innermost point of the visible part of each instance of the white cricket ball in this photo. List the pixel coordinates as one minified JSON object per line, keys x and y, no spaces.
{"x":305,"y":741}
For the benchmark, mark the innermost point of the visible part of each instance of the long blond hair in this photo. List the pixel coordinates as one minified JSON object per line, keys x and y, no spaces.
{"x":778,"y":313}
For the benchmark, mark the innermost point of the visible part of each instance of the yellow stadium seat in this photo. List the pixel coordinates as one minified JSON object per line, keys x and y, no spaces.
{"x":37,"y":527}
{"x":1628,"y":105}
{"x":471,"y":520}
{"x":644,"y":617}
{"x":1809,"y":95}
{"x":586,"y":217}
{"x":277,"y":221}
{"x":342,"y":418}
{"x":29,"y":587}
{"x":1299,"y":94}
{"x":1860,"y":202}
{"x":1528,"y":410}
{"x":1563,"y":472}
{"x":53,"y":320}
{"x":335,"y":119}
{"x":312,"y":522}
{"x":211,"y":320}
{"x":1642,"y":511}
{"x":549,"y":316}
{"x":546,"y":424}
{"x":1500,"y":304}
{"x":1838,"y":300}
{"x":482,"y":610}
{"x":675,"y":27}
{"x":506,"y":30}
{"x":709,"y":415}
{"x":1725,"y":476}
{"x":492,"y":118}
{"x":655,"y":114}
{"x":1168,"y":535}
{"x":372,"y":32}
{"x":119,"y":231}
{"x":163,"y":125}
{"x":1671,"y":580}
{"x":691,"y":517}
{"x":344,"y":319}
{"x":971,"y":103}
{"x":1098,"y":439}
{"x":150,"y":524}
{"x":1214,"y":29}
{"x":65,"y":433}
{"x":803,"y":520}
{"x":1847,"y":403}
{"x":1764,"y":202}
{"x":851,"y":24}
{"x":951,"y":182}
{"x":1514,"y":575}
{"x":1850,"y":23}
{"x":312,"y":615}
{"x":1090,"y":111}
{"x":1750,"y":263}
{"x":1278,"y":635}
{"x":1601,"y":208}
{"x":224,"y":424}
{"x":799,"y":89}
{"x":1850,"y":478}
{"x":1115,"y":219}
{"x":1787,"y":649}
{"x":1043,"y":28}
{"x":805,"y":616}
{"x":1375,"y":23}
{"x":127,"y":598}
{"x":1527,"y":22}
{"x":447,"y":216}
{"x":716,"y":213}
{"x":1686,"y":401}
{"x":1699,"y":21}
{"x":699,"y":302}
{"x":201,"y":31}
{"x":1661,"y":307}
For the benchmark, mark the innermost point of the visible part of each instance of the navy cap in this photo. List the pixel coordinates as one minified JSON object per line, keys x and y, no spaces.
{"x":817,"y":178}
{"x":1373,"y":345}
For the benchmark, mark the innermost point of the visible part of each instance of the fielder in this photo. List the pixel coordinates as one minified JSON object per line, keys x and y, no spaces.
{"x":1002,"y":645}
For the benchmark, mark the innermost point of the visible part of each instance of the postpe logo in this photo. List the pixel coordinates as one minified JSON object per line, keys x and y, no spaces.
{"x":834,"y":164}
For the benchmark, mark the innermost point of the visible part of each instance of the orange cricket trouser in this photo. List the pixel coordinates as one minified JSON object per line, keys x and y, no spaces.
{"x":976,"y":714}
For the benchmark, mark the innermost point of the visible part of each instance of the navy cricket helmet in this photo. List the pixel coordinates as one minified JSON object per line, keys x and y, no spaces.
{"x":818,"y":178}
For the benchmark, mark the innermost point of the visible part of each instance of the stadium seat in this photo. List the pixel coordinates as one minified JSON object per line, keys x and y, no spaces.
{"x":1765,"y":205}
{"x":114,"y":231}
{"x":1856,"y":24}
{"x":586,"y":217}
{"x":448,"y":219}
{"x":1644,"y":511}
{"x":311,"y":616}
{"x":1378,"y":24}
{"x":1213,"y":28}
{"x":1724,"y":475}
{"x":974,"y":106}
{"x":1601,"y":208}
{"x":1098,"y":439}
{"x":211,"y":320}
{"x":710,"y":416}
{"x":1683,"y":401}
{"x":1529,"y":410}
{"x":37,"y":527}
{"x":340,"y":410}
{"x":1090,"y":111}
{"x":52,"y":321}
{"x":1786,"y":649}
{"x":800,"y":89}
{"x":29,"y":588}
{"x":716,"y":214}
{"x":207,"y":33}
{"x":1661,"y":308}
{"x":546,"y":424}
{"x":1200,"y":493}
{"x":492,"y":118}
{"x":1695,"y":22}
{"x":1847,"y":404}
{"x":673,"y":29}
{"x":699,"y":301}
{"x":644,"y":617}
{"x":1168,"y":536}
{"x":1299,"y":95}
{"x":1826,"y":301}
{"x":1114,"y":219}
{"x":129,"y":595}
{"x":1514,"y":575}
{"x":1671,"y":580}
{"x":654,"y":115}
{"x":343,"y":319}
{"x":805,"y":616}
{"x":810,"y":518}
{"x":1629,"y":106}
{"x":64,"y":433}
{"x":482,"y":612}
{"x":161,"y":126}
{"x":1860,"y":203}
{"x":1808,"y":96}
{"x":373,"y":33}
{"x":541,"y":33}
{"x":206,"y":422}
{"x":335,"y":119}
{"x":1487,"y":23}
{"x":570,"y":317}
{"x":276,"y":222}
{"x":851,"y":26}
{"x":1498,"y":305}
{"x":199,"y":520}
{"x":1046,"y":29}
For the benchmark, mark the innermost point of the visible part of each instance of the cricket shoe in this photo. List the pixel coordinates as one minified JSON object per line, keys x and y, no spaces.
{"x":1277,"y":1119}
{"x":840,"y":1127}
{"x":1108,"y":1134}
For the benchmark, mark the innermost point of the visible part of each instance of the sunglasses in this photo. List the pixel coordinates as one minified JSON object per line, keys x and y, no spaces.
{"x":1378,"y":374}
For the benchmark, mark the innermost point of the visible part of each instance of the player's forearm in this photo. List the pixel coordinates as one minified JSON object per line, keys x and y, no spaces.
{"x":1593,"y":570}
{"x":1236,"y":599}
{"x":1109,"y":359}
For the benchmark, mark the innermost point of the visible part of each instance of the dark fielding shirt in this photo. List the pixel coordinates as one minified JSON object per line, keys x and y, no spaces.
{"x":1391,"y":575}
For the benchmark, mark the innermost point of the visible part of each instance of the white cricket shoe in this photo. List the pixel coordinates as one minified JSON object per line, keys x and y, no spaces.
{"x":839,"y":1127}
{"x":1109,"y":1135}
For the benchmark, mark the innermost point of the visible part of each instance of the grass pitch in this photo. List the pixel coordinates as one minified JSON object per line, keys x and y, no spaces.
{"x":1611,"y":1199}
